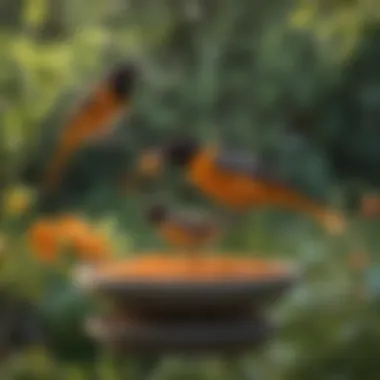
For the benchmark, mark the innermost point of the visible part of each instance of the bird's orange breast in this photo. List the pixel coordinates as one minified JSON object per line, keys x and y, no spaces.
{"x":177,"y":236}
{"x":96,"y":114}
{"x":229,"y":189}
{"x":241,"y":192}
{"x":94,"y":117}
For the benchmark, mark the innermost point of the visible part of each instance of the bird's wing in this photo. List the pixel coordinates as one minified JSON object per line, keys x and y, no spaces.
{"x":250,"y":165}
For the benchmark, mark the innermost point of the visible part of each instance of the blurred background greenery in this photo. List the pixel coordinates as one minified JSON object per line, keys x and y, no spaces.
{"x":299,"y":78}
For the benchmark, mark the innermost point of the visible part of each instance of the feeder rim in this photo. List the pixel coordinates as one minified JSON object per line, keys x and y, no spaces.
{"x":87,"y":278}
{"x":179,"y":281}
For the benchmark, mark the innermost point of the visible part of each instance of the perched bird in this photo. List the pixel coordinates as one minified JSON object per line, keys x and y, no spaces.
{"x":93,"y":119}
{"x":237,"y":180}
{"x":184,"y":229}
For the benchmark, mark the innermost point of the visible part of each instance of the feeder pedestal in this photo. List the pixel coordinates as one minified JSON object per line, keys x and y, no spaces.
{"x":162,"y":307}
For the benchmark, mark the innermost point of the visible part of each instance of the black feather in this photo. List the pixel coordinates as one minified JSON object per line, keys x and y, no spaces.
{"x":123,"y":80}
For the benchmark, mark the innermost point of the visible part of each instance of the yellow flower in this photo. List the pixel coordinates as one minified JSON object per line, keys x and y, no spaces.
{"x":17,"y":200}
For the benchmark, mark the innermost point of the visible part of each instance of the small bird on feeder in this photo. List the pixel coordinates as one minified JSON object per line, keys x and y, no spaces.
{"x":237,"y":180}
{"x":184,"y":229}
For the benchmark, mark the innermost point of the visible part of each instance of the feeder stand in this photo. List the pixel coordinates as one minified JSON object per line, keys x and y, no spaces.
{"x":160,"y":307}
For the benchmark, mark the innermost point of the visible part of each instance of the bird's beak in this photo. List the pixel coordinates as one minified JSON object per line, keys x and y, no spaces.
{"x":151,"y":163}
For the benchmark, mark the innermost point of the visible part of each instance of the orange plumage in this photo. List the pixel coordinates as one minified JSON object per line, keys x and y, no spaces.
{"x":93,"y":118}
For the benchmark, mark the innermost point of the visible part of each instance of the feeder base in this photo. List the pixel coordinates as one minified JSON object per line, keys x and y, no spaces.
{"x":152,"y":367}
{"x":159,"y":338}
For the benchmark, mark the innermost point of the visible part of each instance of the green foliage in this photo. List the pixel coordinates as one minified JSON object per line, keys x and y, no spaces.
{"x":298,"y":79}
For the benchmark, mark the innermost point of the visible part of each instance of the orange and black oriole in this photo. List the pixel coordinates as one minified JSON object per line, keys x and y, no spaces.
{"x":184,"y":229}
{"x":94,"y":118}
{"x":60,"y":187}
{"x":236,"y":180}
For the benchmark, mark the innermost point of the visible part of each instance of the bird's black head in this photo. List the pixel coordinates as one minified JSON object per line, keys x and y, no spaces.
{"x":123,"y":80}
{"x":180,"y":151}
{"x":157,"y":213}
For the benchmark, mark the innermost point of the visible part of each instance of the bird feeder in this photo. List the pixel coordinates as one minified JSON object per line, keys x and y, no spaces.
{"x":208,"y":304}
